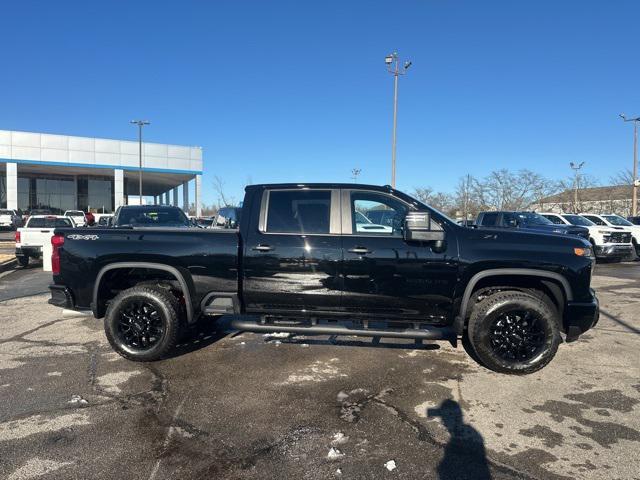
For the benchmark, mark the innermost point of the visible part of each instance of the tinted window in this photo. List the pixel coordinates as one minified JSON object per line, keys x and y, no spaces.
{"x":299,"y":211}
{"x":578,"y":220}
{"x":594,"y":219}
{"x":618,"y":221}
{"x":554,"y":219}
{"x":49,"y":222}
{"x":375,"y":214}
{"x":152,"y":217}
{"x":530,"y":218}
{"x":6,"y":212}
{"x":489,"y":219}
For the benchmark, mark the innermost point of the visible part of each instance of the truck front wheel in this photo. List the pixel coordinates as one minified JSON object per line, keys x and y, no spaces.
{"x":514,"y":332}
{"x":142,"y":323}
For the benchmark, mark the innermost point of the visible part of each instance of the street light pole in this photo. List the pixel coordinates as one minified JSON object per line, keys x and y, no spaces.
{"x":393,"y":67}
{"x":634,"y":181}
{"x":140,"y":123}
{"x":576,"y":168}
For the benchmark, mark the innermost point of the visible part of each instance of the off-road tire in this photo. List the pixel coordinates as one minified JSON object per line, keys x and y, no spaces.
{"x":487,"y":311}
{"x":23,"y":261}
{"x":168,"y":308}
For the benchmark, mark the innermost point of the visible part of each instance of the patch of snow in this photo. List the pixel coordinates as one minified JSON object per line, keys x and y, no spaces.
{"x":342,"y":396}
{"x":390,"y":465}
{"x":111,"y":382}
{"x":77,"y":400}
{"x":339,"y":438}
{"x":36,"y":467}
{"x":338,"y":472}
{"x":306,"y":345}
{"x":318,"y":371}
{"x":54,"y":374}
{"x":17,"y":429}
{"x":269,"y":336}
{"x":334,"y":454}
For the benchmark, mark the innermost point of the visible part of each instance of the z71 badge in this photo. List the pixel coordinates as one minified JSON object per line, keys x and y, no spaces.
{"x":82,"y":237}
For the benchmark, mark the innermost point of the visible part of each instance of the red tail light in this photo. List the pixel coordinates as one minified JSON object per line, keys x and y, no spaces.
{"x":56,"y":242}
{"x":17,"y":236}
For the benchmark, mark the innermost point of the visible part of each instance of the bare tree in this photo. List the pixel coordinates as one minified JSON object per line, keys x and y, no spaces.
{"x":224,"y":200}
{"x":442,"y":201}
{"x":506,"y":190}
{"x":623,"y":177}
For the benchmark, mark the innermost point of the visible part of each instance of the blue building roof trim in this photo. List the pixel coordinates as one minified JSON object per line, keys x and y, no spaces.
{"x":90,"y":165}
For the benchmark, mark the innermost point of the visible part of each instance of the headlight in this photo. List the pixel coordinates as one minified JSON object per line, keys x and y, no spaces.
{"x":583,"y":251}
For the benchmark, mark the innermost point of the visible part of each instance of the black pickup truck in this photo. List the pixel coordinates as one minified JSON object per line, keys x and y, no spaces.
{"x":528,"y":221}
{"x":303,"y":261}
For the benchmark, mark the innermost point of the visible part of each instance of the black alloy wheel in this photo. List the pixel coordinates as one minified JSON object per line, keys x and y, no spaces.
{"x":517,"y":335}
{"x":515,"y":332}
{"x":143,"y":323}
{"x":140,"y":325}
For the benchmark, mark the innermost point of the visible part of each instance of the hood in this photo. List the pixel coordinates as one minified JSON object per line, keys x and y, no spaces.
{"x":526,"y":238}
{"x":559,"y":229}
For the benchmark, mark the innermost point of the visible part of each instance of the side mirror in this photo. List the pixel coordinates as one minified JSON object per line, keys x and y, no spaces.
{"x":419,"y":228}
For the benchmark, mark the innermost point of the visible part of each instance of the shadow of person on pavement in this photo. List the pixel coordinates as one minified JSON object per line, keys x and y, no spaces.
{"x":464,"y":456}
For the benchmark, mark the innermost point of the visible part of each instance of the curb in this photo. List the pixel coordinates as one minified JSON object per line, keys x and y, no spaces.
{"x":8,"y":265}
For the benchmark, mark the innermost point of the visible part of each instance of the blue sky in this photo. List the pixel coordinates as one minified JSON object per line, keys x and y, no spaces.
{"x":298,"y":91}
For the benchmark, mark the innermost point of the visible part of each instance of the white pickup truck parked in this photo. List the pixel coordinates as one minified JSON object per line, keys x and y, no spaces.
{"x":38,"y":231}
{"x":607,"y":242}
{"x":618,"y":223}
{"x":9,"y":219}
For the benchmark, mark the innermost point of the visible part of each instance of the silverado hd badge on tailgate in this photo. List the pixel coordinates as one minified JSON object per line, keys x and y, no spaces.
{"x":73,"y":236}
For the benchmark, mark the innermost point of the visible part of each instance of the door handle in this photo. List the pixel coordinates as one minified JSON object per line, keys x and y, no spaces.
{"x":263,"y":248}
{"x":360,"y":250}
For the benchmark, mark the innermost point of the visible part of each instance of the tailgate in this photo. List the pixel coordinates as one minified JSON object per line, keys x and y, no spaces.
{"x":35,"y":237}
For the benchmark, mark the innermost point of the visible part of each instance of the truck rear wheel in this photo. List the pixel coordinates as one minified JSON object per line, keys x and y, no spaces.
{"x":143,"y":323}
{"x":23,"y":260}
{"x":514,"y":332}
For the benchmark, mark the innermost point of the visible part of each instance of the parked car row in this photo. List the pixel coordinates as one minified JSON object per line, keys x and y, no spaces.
{"x":611,"y":236}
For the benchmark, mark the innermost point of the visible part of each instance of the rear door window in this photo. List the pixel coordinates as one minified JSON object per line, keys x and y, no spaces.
{"x":299,"y":211}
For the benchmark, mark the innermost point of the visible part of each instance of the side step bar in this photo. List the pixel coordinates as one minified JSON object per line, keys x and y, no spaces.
{"x":429,"y":333}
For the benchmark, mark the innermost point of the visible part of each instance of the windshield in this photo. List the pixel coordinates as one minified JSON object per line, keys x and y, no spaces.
{"x":530,"y":218}
{"x":578,"y":220}
{"x":616,"y":220}
{"x":361,"y":218}
{"x":6,"y":212}
{"x":74,"y":213}
{"x":152,"y":217}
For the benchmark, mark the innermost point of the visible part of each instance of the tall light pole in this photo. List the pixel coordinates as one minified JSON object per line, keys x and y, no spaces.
{"x":634,"y":196}
{"x":140,"y":123}
{"x":576,"y":168}
{"x":355,"y":172}
{"x":393,"y":67}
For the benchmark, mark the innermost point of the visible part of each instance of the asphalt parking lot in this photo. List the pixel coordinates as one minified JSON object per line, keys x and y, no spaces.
{"x":249,"y":406}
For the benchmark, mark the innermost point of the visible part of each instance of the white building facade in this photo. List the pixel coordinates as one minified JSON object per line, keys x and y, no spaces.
{"x":60,"y":172}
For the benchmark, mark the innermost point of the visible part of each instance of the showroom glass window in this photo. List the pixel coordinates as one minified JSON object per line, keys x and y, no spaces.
{"x":299,"y":211}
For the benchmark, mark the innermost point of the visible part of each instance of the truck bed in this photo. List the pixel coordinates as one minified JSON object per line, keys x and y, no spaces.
{"x":206,"y":259}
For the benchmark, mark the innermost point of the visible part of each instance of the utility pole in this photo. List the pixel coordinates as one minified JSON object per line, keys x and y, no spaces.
{"x":393,"y":67}
{"x":140,"y":123}
{"x":576,"y":168}
{"x":634,"y":182}
{"x":355,"y":172}
{"x":466,"y":200}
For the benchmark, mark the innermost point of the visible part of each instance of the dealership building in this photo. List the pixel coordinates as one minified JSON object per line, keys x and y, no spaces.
{"x":60,"y":172}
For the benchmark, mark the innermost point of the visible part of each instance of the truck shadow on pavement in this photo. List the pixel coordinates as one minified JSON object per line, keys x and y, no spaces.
{"x":619,"y":321}
{"x":374,"y":342}
{"x":465,"y":456}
